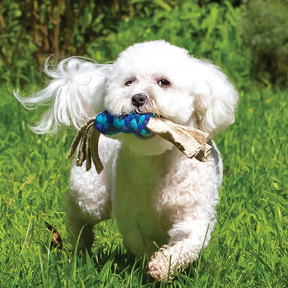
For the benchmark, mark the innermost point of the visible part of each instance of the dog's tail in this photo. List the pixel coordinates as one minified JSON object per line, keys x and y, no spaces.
{"x":74,"y":94}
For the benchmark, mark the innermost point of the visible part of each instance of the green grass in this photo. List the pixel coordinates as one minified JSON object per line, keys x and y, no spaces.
{"x":249,"y":243}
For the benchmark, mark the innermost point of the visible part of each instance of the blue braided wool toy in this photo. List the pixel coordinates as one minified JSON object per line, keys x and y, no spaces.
{"x":134,"y":123}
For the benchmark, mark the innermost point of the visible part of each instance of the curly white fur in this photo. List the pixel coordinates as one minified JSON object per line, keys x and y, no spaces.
{"x":158,"y":196}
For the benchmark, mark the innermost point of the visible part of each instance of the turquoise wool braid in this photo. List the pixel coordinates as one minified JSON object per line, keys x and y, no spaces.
{"x":134,"y":123}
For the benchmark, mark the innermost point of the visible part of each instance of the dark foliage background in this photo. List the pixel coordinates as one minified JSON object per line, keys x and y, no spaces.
{"x":246,"y":38}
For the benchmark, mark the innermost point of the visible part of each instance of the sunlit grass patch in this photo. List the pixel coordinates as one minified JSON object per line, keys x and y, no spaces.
{"x":249,"y":243}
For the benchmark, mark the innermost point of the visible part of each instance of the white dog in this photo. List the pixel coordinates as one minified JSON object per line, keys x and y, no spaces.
{"x":158,"y":196}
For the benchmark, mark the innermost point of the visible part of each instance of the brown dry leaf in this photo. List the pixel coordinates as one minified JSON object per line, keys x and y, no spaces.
{"x":56,"y":238}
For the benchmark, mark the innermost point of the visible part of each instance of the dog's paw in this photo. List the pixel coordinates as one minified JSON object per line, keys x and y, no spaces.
{"x":154,"y":271}
{"x":161,"y":266}
{"x":157,"y":271}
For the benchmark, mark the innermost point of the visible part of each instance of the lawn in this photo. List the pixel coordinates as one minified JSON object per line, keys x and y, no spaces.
{"x":249,"y":242}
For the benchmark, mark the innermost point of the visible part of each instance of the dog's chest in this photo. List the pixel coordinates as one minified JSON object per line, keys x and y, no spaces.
{"x":136,"y":197}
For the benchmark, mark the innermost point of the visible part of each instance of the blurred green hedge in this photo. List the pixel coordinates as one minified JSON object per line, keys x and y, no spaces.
{"x":264,"y":29}
{"x":221,"y":31}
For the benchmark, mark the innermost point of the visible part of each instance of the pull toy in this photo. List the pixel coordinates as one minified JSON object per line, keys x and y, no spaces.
{"x":190,"y":141}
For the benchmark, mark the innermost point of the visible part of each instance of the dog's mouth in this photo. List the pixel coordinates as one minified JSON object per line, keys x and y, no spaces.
{"x":155,"y":113}
{"x":148,"y":107}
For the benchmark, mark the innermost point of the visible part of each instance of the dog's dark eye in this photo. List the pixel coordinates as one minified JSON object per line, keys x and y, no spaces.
{"x":164,"y":83}
{"x":129,"y":82}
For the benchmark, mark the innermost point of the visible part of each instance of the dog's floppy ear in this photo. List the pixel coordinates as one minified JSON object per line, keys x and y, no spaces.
{"x":215,"y":97}
{"x":74,"y":94}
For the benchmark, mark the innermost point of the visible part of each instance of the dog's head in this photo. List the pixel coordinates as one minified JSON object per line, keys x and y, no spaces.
{"x":161,"y":78}
{"x":152,"y":77}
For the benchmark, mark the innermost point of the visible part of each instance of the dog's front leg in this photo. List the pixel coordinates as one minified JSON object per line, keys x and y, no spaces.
{"x":80,"y":222}
{"x":183,"y":248}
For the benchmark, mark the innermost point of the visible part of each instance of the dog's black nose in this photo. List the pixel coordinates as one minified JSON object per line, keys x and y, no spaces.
{"x":139,"y":99}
